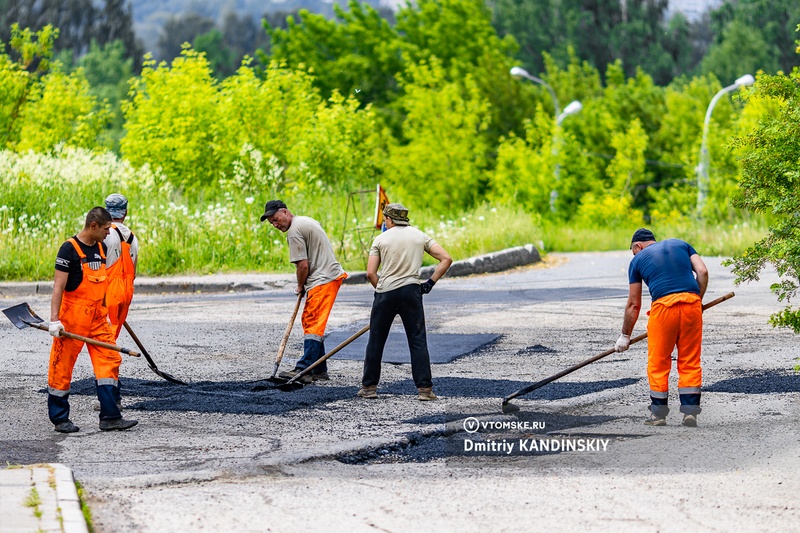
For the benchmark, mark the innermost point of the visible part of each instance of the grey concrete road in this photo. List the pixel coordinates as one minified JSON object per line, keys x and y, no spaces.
{"x":217,"y":456}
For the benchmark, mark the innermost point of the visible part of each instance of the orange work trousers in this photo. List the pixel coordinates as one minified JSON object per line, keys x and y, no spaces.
{"x":319,"y":302}
{"x":120,"y":285}
{"x":675,"y":320}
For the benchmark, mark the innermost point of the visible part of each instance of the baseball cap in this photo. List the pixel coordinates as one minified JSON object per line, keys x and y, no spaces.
{"x":271,"y":208}
{"x":642,"y":235}
{"x":397,"y":213}
{"x":116,"y":205}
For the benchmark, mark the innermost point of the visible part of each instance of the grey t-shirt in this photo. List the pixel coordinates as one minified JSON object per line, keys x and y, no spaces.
{"x":307,"y":240}
{"x":401,"y":249}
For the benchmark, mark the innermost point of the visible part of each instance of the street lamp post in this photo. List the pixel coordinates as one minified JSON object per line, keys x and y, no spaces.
{"x":572,"y":108}
{"x":702,"y":167}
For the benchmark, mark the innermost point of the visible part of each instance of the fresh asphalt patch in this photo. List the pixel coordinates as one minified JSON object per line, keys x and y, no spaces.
{"x":443,"y":347}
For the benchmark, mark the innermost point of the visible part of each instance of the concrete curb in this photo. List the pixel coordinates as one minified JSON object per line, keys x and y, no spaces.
{"x":57,"y":505}
{"x":483,"y":264}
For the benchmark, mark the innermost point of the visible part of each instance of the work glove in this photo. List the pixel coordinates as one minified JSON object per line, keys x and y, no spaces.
{"x":299,"y":290}
{"x":623,"y":343}
{"x":56,"y":328}
{"x":426,"y":286}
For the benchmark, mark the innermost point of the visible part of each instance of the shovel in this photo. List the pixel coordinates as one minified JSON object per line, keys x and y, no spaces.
{"x":508,"y":408}
{"x":150,"y":361}
{"x":278,"y":358}
{"x":23,"y":316}
{"x":293,"y":384}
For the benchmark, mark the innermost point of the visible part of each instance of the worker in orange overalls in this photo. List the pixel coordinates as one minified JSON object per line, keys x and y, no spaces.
{"x":319,"y":276}
{"x":677,"y":280}
{"x":123,"y":253}
{"x":78,"y":306}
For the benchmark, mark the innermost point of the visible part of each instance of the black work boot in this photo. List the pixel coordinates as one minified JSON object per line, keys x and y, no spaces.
{"x":67,"y":427}
{"x":117,"y":423}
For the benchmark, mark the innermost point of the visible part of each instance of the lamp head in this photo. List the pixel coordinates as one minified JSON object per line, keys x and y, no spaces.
{"x":519,"y":72}
{"x":573,"y":107}
{"x":745,"y":81}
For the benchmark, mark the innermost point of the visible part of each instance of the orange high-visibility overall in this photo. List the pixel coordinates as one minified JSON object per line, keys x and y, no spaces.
{"x":84,"y":313}
{"x":675,"y":320}
{"x":120,"y":284}
{"x":319,"y":303}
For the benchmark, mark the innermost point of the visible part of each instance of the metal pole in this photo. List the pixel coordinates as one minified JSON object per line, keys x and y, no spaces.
{"x":702,"y":167}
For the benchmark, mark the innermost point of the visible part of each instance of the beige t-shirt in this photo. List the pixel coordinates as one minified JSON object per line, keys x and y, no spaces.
{"x":307,"y":240}
{"x":115,"y":246}
{"x":401,"y":249}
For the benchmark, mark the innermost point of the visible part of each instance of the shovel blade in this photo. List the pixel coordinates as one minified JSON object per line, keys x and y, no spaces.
{"x":22,"y":316}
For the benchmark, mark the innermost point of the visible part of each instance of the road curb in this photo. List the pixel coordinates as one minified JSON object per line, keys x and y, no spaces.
{"x":56,"y":503}
{"x":482,"y":264}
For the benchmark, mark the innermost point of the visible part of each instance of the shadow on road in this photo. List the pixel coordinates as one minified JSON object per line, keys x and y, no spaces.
{"x":758,"y":382}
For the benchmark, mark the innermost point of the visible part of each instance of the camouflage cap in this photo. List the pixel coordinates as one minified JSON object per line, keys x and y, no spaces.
{"x":397,"y":213}
{"x":117,"y":205}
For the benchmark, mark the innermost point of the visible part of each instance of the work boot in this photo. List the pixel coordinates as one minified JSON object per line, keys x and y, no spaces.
{"x":690,"y":421}
{"x":654,"y":420}
{"x":117,"y":423}
{"x":322,"y":376}
{"x":289,"y":374}
{"x":67,"y":427}
{"x":426,"y":394}
{"x":96,"y":405}
{"x":368,"y":392}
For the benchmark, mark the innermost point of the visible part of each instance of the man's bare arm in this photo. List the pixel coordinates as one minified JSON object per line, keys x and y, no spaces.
{"x":373,"y":264}
{"x":59,"y":284}
{"x":632,"y":308}
{"x":701,"y":272}
{"x":302,"y":275}
{"x":437,"y":252}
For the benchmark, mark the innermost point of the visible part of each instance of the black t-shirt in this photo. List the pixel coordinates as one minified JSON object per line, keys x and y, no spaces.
{"x":69,"y":261}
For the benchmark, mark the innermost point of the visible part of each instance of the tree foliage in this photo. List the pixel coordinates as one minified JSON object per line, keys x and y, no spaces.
{"x":770,"y":183}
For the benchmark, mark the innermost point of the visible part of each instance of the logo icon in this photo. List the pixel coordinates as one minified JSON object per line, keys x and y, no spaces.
{"x":471,"y":424}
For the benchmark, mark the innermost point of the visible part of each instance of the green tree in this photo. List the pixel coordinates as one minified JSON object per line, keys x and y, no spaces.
{"x":742,"y":50}
{"x":220,"y":57}
{"x":770,"y":183}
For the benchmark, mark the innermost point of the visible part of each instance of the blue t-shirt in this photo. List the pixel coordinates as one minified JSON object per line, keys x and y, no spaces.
{"x":665,"y":267}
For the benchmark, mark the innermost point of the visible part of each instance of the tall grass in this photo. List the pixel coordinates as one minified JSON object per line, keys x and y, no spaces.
{"x":44,"y":198}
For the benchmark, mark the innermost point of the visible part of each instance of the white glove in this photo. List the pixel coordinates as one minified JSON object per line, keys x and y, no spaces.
{"x":56,"y":328}
{"x":623,"y":343}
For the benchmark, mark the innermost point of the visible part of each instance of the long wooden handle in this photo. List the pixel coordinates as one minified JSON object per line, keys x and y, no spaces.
{"x":542,"y":383}
{"x":330,"y":354}
{"x":87,"y":340}
{"x":285,"y":339}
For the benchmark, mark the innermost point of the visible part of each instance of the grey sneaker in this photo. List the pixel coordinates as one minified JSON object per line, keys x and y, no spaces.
{"x":368,"y":392}
{"x":655,"y":421}
{"x":117,"y":424}
{"x":67,"y":427}
{"x":690,"y":421}
{"x":426,"y":394}
{"x":322,"y":376}
{"x":289,"y":374}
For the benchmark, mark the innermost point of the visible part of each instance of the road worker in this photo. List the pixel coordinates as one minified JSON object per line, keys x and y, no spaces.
{"x":123,"y":253}
{"x":398,"y":252}
{"x":78,"y":306}
{"x":319,"y":277}
{"x":677,"y":280}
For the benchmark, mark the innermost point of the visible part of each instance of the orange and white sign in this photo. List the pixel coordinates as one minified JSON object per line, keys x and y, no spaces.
{"x":380,"y":202}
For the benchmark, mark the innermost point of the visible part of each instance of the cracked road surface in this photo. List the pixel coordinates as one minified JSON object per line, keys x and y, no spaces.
{"x":218,"y":456}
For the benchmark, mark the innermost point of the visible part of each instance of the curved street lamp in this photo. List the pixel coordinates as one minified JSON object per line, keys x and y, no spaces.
{"x":573,"y":107}
{"x":702,"y":167}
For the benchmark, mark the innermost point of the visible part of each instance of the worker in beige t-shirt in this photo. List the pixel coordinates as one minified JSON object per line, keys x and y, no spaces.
{"x":319,"y":276}
{"x":398,"y":252}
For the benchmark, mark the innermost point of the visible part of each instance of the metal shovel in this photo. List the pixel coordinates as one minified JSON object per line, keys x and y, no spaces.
{"x":23,"y":316}
{"x":150,"y":361}
{"x":293,"y":384}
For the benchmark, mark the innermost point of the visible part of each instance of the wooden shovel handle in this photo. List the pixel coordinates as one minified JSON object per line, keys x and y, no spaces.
{"x":87,"y":340}
{"x":330,"y":354}
{"x":288,"y":331}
